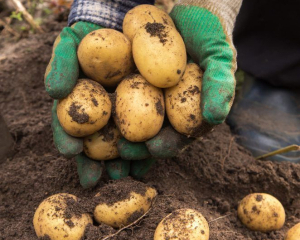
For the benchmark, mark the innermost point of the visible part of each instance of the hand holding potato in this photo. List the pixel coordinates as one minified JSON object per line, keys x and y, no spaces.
{"x":212,"y":49}
{"x":207,"y":37}
{"x":60,"y":79}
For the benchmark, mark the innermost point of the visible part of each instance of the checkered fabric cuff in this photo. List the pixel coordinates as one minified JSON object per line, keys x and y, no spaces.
{"x":106,"y":13}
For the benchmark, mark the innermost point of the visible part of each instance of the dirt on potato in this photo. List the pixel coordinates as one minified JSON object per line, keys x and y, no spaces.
{"x":212,"y":175}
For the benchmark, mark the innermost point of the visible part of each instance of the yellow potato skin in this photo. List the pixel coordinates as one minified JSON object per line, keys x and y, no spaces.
{"x":140,"y":108}
{"x":160,"y":58}
{"x":85,"y":110}
{"x":102,"y":145}
{"x":183,"y":101}
{"x":261,"y":212}
{"x":293,"y":233}
{"x":105,"y":55}
{"x":49,"y":219}
{"x":142,"y":14}
{"x":183,"y":224}
{"x":119,"y":214}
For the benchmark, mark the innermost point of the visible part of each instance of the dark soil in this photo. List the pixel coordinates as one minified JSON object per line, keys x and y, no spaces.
{"x":211,"y":175}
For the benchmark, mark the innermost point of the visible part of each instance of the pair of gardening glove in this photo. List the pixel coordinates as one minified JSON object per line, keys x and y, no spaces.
{"x":206,"y":27}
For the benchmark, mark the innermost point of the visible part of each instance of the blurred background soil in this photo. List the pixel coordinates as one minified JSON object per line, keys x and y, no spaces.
{"x":211,"y":175}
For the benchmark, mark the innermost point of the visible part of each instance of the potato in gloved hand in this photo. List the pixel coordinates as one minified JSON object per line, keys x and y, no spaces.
{"x":85,"y":110}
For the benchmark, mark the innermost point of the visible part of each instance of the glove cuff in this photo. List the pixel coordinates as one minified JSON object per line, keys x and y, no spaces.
{"x":226,"y":10}
{"x":107,"y":13}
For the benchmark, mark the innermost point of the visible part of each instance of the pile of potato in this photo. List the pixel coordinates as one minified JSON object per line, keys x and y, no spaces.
{"x":135,"y":78}
{"x":56,"y":219}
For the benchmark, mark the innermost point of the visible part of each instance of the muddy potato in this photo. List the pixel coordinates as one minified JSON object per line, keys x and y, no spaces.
{"x":105,"y":56}
{"x":183,"y":101}
{"x":52,"y":218}
{"x":102,"y":145}
{"x":261,"y":212}
{"x":123,"y":205}
{"x":140,"y":109}
{"x":142,"y":14}
{"x":159,"y":54}
{"x":85,"y":110}
{"x":293,"y":233}
{"x":183,"y":224}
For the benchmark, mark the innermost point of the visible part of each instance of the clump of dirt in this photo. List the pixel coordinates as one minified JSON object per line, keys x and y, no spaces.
{"x":79,"y":117}
{"x":119,"y":190}
{"x":160,"y":110}
{"x":212,"y":175}
{"x":157,"y":30}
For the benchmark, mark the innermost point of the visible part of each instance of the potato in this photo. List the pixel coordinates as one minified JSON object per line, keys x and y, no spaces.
{"x":102,"y":145}
{"x":123,"y":202}
{"x":183,"y":224}
{"x":183,"y":101}
{"x":293,"y":233}
{"x":142,"y":14}
{"x":105,"y":56}
{"x":261,"y":212}
{"x":140,"y":109}
{"x":54,"y":218}
{"x":85,"y":110}
{"x":159,"y":54}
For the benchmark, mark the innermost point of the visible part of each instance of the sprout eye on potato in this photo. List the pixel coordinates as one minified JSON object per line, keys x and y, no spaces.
{"x":261,"y":212}
{"x":141,"y":15}
{"x":183,"y":224}
{"x":85,"y":110}
{"x":55,"y":220}
{"x":140,"y":109}
{"x":159,"y":54}
{"x":123,"y":202}
{"x":105,"y":56}
{"x":102,"y":145}
{"x":183,"y":101}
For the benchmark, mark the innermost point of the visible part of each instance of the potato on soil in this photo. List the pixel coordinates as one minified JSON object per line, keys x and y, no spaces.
{"x":85,"y":110}
{"x":183,"y":224}
{"x":159,"y":54}
{"x":140,"y":109}
{"x":122,"y":202}
{"x":105,"y":56}
{"x":102,"y":145}
{"x":142,"y":14}
{"x":183,"y":101}
{"x":293,"y":233}
{"x":57,"y":219}
{"x":261,"y":212}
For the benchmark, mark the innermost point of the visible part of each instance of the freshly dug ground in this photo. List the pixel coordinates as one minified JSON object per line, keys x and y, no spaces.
{"x":211,"y":175}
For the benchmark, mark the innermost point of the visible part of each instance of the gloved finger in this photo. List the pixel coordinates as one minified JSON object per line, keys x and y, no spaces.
{"x":67,"y":145}
{"x":167,"y":143}
{"x":132,"y":151}
{"x":63,"y":69}
{"x":117,"y":168}
{"x":218,"y":90}
{"x":89,"y":171}
{"x":139,"y":168}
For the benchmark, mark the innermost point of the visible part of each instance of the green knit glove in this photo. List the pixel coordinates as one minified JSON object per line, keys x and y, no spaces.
{"x":166,"y":144}
{"x":208,"y":42}
{"x":60,"y":78}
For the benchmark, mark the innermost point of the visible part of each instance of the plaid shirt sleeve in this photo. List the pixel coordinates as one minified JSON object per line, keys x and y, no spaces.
{"x":107,"y":13}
